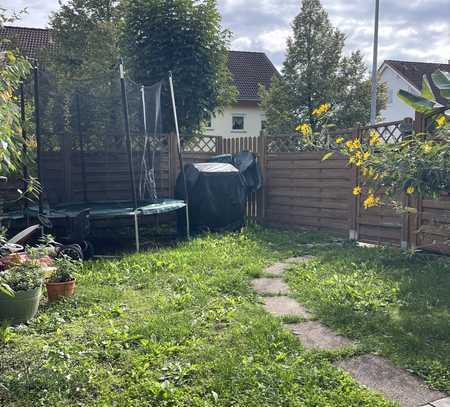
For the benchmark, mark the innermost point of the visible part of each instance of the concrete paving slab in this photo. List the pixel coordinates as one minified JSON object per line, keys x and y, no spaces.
{"x":300,"y":260}
{"x":396,"y":384}
{"x":441,"y":403}
{"x":270,"y":286}
{"x":314,"y":335}
{"x":285,"y":306}
{"x":276,"y":269}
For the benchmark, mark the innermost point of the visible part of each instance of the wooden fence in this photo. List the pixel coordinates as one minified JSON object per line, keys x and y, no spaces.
{"x":300,"y":190}
{"x":303,"y":191}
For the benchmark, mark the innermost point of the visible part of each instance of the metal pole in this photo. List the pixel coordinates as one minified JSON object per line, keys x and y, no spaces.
{"x":38,"y":132}
{"x":129,"y":152}
{"x":81,"y":140}
{"x":24,"y":139}
{"x":373,"y":106}
{"x":180,"y":155}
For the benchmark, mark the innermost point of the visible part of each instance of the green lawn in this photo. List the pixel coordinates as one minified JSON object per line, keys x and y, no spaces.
{"x":178,"y":327}
{"x":394,"y":304}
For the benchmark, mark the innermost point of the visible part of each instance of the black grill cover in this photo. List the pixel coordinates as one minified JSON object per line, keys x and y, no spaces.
{"x":217,"y":196}
{"x":248,"y":166}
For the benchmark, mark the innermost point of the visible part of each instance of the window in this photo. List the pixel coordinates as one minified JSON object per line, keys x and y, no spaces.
{"x":208,"y":121}
{"x":238,"y":123}
{"x":263,"y":124}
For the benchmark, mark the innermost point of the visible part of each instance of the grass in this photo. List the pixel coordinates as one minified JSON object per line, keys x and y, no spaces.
{"x":176,"y":327}
{"x":394,"y":304}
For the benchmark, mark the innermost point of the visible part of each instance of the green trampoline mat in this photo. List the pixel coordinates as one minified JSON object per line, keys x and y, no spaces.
{"x":108,"y":210}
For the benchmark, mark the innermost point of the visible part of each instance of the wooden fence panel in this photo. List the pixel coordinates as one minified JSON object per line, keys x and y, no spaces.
{"x":433,"y":232}
{"x":107,"y":176}
{"x":304,"y":191}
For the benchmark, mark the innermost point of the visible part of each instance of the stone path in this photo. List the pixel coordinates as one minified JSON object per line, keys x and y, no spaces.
{"x":270,"y":286}
{"x":372,"y":371}
{"x":314,"y":335}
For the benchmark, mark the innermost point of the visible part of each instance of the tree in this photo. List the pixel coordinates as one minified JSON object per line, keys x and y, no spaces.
{"x":185,"y":37}
{"x":86,"y":37}
{"x":84,"y":64}
{"x":316,"y":72}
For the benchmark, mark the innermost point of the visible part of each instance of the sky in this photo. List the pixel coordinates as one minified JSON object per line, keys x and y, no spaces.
{"x":411,"y":30}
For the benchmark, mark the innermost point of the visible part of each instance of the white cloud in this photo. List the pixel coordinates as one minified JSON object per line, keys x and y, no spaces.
{"x":409,"y":29}
{"x":241,"y":44}
{"x":274,"y":41}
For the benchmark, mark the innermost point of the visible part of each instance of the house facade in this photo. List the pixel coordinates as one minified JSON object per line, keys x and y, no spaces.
{"x":249,"y":70}
{"x":407,"y":76}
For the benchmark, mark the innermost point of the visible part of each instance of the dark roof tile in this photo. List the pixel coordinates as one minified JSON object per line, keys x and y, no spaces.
{"x":30,"y":41}
{"x":249,"y":69}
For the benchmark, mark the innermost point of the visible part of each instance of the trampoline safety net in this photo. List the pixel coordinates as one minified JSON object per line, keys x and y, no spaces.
{"x":83,"y":153}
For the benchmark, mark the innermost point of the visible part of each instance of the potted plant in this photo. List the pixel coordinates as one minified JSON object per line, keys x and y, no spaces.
{"x":61,"y":282}
{"x":20,"y":292}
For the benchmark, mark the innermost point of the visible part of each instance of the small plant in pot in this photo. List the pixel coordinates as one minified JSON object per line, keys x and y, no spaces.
{"x":61,"y":282}
{"x":20,"y":292}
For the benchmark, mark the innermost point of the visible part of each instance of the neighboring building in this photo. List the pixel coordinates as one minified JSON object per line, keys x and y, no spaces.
{"x":245,"y":117}
{"x":32,"y":42}
{"x":407,"y":76}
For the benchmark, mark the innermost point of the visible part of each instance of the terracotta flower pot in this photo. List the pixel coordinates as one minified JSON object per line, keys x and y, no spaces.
{"x":58,"y":290}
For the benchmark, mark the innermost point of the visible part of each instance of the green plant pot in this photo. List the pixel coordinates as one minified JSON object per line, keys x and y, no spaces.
{"x":20,"y":308}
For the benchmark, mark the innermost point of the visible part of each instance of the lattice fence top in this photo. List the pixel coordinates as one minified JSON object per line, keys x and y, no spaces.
{"x":296,"y":142}
{"x":203,"y":144}
{"x":392,"y":132}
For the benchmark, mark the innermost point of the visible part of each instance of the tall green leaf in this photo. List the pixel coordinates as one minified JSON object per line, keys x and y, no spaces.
{"x":427,"y":91}
{"x":442,"y":82}
{"x":418,"y":103}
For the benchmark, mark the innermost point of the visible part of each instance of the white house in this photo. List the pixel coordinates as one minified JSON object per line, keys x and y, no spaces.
{"x":408,"y":76}
{"x":245,"y":117}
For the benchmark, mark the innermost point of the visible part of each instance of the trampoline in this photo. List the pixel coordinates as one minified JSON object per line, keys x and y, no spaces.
{"x":107,"y":210}
{"x":99,"y":146}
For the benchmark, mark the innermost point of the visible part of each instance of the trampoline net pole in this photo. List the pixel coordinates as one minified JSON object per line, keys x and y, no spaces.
{"x":136,"y":232}
{"x":180,"y":155}
{"x":24,"y":140}
{"x":38,"y":132}
{"x":128,"y":135}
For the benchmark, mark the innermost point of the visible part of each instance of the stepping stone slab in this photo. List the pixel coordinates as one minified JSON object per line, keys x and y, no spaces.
{"x":276,"y":269}
{"x":271,"y":286}
{"x":284,"y":306}
{"x":440,"y":403}
{"x":300,"y":260}
{"x":314,"y":335}
{"x":396,"y":384}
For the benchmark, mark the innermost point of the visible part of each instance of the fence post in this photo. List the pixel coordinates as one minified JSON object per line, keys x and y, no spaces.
{"x":354,"y":206}
{"x":219,"y":145}
{"x":262,"y":196}
{"x":415,"y":219}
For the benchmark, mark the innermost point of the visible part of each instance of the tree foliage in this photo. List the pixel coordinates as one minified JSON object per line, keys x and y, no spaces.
{"x":86,"y":37}
{"x":13,"y":69}
{"x":316,"y":72}
{"x":185,"y":37}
